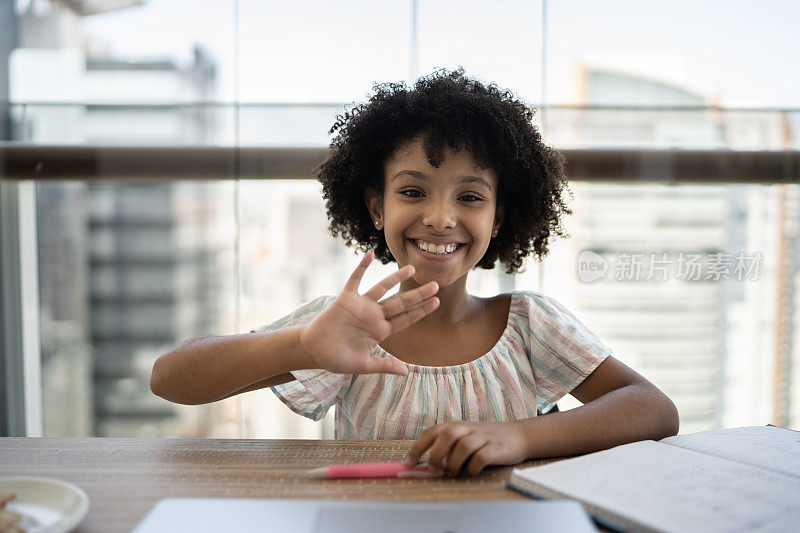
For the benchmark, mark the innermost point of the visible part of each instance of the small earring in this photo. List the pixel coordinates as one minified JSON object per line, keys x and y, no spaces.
{"x":494,"y":233}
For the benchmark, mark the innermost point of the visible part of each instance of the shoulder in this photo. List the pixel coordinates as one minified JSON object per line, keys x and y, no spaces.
{"x":532,"y":302}
{"x":554,"y":323}
{"x":498,"y":305}
{"x":540,"y":309}
{"x":302,"y":314}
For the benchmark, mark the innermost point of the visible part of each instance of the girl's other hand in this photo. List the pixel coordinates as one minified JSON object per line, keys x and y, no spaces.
{"x":342,"y":337}
{"x":471,"y":446}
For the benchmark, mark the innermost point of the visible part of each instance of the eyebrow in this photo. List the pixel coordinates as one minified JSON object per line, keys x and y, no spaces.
{"x":460,"y":179}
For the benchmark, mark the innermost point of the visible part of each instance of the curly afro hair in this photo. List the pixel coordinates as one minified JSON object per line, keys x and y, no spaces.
{"x":449,"y":107}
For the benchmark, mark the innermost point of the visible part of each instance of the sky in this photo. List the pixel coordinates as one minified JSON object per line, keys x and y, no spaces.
{"x":740,"y":53}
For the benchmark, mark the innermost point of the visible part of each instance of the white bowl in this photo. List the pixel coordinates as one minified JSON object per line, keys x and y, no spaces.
{"x":47,"y":505}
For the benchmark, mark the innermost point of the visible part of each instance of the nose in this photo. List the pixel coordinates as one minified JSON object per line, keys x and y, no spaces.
{"x":439,"y":215}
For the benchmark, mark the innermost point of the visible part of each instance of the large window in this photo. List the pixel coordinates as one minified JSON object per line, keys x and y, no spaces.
{"x":174,"y":197}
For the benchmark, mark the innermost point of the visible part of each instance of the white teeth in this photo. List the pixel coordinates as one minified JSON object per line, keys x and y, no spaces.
{"x":437,"y":248}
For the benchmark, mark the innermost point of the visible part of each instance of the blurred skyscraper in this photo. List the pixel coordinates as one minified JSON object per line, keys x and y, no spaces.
{"x":126,"y":270}
{"x":707,"y":341}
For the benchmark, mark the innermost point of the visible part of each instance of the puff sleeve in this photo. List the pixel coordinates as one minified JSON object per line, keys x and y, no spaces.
{"x":314,"y":391}
{"x":563,"y":351}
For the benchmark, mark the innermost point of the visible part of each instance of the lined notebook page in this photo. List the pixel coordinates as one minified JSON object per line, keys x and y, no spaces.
{"x":668,"y":488}
{"x":772,"y":448}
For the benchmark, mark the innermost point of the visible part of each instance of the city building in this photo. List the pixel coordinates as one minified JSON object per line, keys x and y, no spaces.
{"x":126,"y":270}
{"x":672,"y":303}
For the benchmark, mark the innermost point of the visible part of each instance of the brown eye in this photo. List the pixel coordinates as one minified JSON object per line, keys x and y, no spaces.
{"x":470,"y":198}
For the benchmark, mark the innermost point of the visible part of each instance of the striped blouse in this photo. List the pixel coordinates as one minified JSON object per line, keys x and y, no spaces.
{"x":541,"y":356}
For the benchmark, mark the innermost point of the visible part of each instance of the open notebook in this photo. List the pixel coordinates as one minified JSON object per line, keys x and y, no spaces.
{"x":742,"y":479}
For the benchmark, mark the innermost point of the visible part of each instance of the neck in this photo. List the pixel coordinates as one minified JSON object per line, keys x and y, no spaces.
{"x":455,"y":303}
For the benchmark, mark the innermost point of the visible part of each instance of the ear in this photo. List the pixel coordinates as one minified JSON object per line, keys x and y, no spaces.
{"x":498,"y":220}
{"x":374,"y":201}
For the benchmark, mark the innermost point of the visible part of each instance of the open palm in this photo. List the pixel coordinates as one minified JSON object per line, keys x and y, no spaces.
{"x":342,"y":337}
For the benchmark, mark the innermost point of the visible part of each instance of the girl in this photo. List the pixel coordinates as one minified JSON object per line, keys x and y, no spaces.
{"x":442,"y":178}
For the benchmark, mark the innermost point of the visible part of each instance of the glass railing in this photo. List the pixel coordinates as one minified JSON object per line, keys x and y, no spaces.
{"x":695,"y":287}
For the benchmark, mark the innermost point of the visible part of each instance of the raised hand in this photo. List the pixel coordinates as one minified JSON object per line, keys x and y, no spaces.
{"x":342,"y":337}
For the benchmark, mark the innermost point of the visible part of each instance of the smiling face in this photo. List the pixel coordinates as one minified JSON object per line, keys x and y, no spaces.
{"x":440,"y":220}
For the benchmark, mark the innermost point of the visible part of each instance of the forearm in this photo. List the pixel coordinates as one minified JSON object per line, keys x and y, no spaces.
{"x":628,"y":414}
{"x":207,"y":369}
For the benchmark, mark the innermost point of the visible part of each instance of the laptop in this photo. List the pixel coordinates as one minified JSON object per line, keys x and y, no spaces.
{"x":321,"y":516}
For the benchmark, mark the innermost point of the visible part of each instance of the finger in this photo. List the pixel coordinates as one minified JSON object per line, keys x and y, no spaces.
{"x":355,"y":278}
{"x":462,"y":451}
{"x":386,"y":284}
{"x":420,"y":445}
{"x":403,"y":301}
{"x":441,"y":447}
{"x":480,"y":460}
{"x":404,"y":320}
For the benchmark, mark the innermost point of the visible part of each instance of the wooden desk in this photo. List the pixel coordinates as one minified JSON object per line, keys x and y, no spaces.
{"x":124,"y":478}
